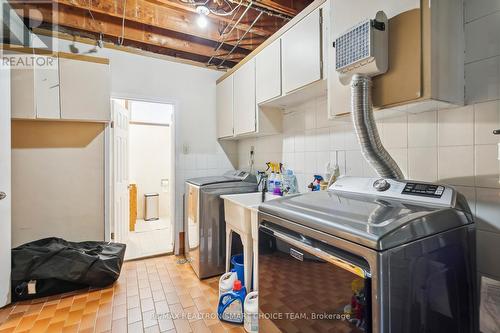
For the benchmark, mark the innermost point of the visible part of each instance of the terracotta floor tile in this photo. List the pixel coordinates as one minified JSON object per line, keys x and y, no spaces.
{"x":186,"y":301}
{"x":149,"y":319}
{"x":65,"y":302}
{"x":120,"y":299}
{"x":91,"y":306}
{"x":152,"y":329}
{"x":88,"y":321}
{"x":60,"y":315}
{"x":152,"y":295}
{"x":133,"y":302}
{"x":134,"y":315}
{"x":103,"y":324}
{"x":40,"y":326}
{"x":26,"y":323}
{"x":20,"y":308}
{"x":199,"y":326}
{"x":70,"y":329}
{"x":119,"y":326}
{"x":74,"y":317}
{"x":55,"y":327}
{"x":172,"y":297}
{"x":135,"y":327}
{"x":147,"y":304}
{"x":120,"y":311}
{"x":104,"y":309}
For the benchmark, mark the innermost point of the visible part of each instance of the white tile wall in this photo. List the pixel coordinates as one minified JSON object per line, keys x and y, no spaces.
{"x":453,"y":146}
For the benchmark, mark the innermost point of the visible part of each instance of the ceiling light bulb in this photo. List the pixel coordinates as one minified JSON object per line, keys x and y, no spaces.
{"x":202,"y":21}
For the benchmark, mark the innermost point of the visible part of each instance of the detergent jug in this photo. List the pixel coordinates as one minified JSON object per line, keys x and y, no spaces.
{"x":231,"y":304}
{"x":251,"y":307}
{"x":226,"y":282}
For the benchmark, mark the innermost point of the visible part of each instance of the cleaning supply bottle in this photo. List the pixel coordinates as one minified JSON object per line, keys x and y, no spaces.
{"x":226,"y":282}
{"x":231,"y":304}
{"x":290,"y":184}
{"x":270,"y":185}
{"x":278,"y":182}
{"x":251,"y":307}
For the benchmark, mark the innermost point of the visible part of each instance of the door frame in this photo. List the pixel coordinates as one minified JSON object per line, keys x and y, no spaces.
{"x":108,"y":161}
{"x":5,"y":290}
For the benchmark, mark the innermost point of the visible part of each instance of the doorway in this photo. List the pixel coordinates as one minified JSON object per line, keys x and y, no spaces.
{"x":143,"y":175}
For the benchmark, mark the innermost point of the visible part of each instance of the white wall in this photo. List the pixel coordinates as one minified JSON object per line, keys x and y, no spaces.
{"x":57,"y":191}
{"x":149,"y":163}
{"x":453,"y":146}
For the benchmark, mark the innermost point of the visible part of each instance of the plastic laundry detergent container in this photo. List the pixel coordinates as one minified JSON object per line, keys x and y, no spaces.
{"x":251,"y":307}
{"x":230,"y":307}
{"x":226,"y":282}
{"x":238,"y":267}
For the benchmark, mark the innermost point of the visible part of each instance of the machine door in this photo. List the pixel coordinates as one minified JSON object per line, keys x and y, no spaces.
{"x":193,"y":222}
{"x":308,"y":286}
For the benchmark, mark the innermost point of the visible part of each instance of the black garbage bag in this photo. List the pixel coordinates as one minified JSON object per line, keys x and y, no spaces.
{"x":57,"y":266}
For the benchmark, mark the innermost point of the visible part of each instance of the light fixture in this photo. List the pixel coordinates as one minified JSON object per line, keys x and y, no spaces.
{"x":202,"y":20}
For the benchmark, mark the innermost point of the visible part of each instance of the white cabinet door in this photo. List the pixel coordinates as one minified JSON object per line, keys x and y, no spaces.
{"x":23,"y":93}
{"x":268,"y":72}
{"x":47,"y":89}
{"x":224,"y":101}
{"x":85,"y":90}
{"x":302,"y":53}
{"x":245,"y":106}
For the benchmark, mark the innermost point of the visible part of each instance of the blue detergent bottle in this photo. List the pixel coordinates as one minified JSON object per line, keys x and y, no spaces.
{"x":230,"y":307}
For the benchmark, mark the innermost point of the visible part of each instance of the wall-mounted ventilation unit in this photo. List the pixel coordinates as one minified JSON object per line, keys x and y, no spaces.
{"x":363,"y":49}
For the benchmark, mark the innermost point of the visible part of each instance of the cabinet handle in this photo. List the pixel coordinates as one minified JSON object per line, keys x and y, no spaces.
{"x":496,"y":132}
{"x":3,"y":195}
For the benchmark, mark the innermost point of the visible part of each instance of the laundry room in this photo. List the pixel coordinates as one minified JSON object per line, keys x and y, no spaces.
{"x":250,"y":166}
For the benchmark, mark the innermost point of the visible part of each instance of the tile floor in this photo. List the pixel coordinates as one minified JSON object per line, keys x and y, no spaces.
{"x":149,"y":240}
{"x":151,"y":295}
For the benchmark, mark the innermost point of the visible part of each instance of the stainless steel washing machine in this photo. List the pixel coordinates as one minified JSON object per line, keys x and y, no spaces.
{"x":204,"y":222}
{"x":368,"y":255}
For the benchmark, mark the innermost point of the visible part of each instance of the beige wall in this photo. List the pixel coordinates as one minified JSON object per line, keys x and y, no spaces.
{"x":150,"y":152}
{"x":57,"y":181}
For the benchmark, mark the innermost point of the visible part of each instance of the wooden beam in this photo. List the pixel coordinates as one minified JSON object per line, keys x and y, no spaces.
{"x":257,"y":30}
{"x":148,"y":13}
{"x":136,"y":33}
{"x":125,"y":48}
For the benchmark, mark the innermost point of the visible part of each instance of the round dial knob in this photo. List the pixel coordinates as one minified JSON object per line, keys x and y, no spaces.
{"x":381,"y":185}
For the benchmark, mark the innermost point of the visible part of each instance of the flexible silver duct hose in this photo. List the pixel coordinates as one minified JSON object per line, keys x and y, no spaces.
{"x":366,"y":129}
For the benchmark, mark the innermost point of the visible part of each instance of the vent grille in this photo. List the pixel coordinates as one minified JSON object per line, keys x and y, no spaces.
{"x":353,"y":46}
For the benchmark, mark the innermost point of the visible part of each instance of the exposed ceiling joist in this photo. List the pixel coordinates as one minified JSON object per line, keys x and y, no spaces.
{"x":76,"y":18}
{"x":148,"y":13}
{"x":168,"y":27}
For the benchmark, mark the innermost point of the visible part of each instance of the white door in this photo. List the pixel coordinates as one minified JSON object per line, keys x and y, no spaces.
{"x":47,"y":89}
{"x":301,"y":53}
{"x":224,"y":101}
{"x":268,"y":72}
{"x":120,"y":172}
{"x":5,"y":194}
{"x":245,"y":107}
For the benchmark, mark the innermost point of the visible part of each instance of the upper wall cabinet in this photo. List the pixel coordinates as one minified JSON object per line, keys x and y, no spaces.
{"x":46,"y":90}
{"x":302,"y":52}
{"x":224,"y":108}
{"x":62,"y":86}
{"x":268,"y":72}
{"x":244,"y":103}
{"x":85,"y":88}
{"x":426,"y":54}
